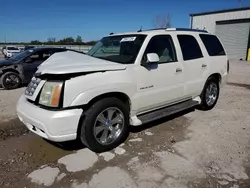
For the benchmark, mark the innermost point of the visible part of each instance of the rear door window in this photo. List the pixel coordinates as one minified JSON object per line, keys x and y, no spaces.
{"x":189,"y":47}
{"x":213,"y":45}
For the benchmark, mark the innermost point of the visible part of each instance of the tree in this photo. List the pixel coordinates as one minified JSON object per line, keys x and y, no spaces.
{"x":163,"y":21}
{"x":35,"y":42}
{"x":51,"y":40}
{"x":67,"y":40}
{"x":91,"y":43}
{"x":78,"y":39}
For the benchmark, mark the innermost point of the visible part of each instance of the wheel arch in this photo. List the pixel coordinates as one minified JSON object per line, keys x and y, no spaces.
{"x":10,"y":70}
{"x":217,"y":76}
{"x":119,"y":95}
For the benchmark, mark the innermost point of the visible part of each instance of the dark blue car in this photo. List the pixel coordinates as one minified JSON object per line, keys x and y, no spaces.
{"x":19,"y":69}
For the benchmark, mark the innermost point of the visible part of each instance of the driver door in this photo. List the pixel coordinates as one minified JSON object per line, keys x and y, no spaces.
{"x":161,"y":83}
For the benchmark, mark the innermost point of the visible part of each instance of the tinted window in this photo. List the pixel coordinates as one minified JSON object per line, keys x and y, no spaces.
{"x":40,"y":55}
{"x":12,"y":48}
{"x":189,"y":47}
{"x":36,"y":56}
{"x":213,"y":45}
{"x":163,"y":46}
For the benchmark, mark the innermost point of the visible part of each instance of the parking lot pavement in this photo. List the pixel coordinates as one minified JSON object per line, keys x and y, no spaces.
{"x":200,"y":149}
{"x":1,"y":57}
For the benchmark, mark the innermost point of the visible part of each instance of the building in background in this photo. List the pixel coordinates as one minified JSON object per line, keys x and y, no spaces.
{"x":232,"y":26}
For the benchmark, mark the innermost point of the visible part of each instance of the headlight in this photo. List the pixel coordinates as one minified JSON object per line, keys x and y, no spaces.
{"x":50,"y":95}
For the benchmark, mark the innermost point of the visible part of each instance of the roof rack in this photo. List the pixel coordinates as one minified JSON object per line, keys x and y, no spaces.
{"x":177,"y":29}
{"x":152,"y":29}
{"x":186,"y":29}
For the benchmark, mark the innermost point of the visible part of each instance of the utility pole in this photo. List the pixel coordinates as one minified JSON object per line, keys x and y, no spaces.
{"x":5,"y":39}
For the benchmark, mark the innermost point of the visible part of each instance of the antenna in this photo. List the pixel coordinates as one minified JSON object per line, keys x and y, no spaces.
{"x":140,"y":29}
{"x":240,"y":3}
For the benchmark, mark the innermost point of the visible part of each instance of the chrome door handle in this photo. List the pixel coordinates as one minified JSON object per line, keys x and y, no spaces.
{"x":178,"y":70}
{"x":203,"y":65}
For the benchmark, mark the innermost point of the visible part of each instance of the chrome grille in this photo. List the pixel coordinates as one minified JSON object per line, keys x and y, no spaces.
{"x":32,"y":86}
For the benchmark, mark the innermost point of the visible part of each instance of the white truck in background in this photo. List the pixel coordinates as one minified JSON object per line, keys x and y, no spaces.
{"x":10,"y":51}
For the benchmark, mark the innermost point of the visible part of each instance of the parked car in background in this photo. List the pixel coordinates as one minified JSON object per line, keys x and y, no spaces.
{"x":125,"y":79}
{"x":19,"y":69}
{"x":3,"y":50}
{"x":10,"y":51}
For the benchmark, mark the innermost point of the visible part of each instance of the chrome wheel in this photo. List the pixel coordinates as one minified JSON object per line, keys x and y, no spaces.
{"x":211,"y":94}
{"x":108,"y":125}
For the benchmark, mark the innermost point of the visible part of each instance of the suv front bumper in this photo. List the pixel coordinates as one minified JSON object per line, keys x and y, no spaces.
{"x":56,"y":126}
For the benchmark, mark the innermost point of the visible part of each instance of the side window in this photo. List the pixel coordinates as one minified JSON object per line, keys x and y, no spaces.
{"x":213,"y":45}
{"x":46,"y":54}
{"x":36,"y":56}
{"x":189,"y":47}
{"x":163,"y":46}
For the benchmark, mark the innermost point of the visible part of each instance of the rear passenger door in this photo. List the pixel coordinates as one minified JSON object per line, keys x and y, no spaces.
{"x":194,"y":65}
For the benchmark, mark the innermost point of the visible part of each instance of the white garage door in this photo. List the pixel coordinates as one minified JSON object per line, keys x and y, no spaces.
{"x":234,"y":38}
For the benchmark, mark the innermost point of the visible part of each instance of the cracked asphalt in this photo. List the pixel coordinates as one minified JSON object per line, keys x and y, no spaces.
{"x":188,"y":150}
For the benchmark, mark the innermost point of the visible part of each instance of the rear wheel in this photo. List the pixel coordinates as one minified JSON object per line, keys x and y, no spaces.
{"x":210,"y":94}
{"x":105,"y":125}
{"x":10,"y":80}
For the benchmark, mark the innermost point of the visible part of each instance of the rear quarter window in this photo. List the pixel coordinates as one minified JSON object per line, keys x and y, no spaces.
{"x":213,"y":45}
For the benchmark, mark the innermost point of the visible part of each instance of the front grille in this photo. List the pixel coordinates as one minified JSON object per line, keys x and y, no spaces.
{"x":32,"y":86}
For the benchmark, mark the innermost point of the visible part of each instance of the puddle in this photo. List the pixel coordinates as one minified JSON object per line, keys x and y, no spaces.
{"x":12,"y":128}
{"x":22,"y":155}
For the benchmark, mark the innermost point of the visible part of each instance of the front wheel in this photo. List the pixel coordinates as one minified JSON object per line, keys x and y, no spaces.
{"x":210,"y":94}
{"x":105,"y":125}
{"x":10,"y":80}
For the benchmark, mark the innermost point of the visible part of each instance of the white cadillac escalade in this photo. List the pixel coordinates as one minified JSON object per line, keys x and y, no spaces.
{"x":125,"y":79}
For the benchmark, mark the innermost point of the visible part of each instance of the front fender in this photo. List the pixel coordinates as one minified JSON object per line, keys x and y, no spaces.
{"x":80,"y":90}
{"x":87,"y":96}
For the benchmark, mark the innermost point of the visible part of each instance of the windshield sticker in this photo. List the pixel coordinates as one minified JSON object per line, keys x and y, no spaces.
{"x":128,"y":39}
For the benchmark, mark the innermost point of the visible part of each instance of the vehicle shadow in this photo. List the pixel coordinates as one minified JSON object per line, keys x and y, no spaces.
{"x":67,"y":146}
{"x":136,"y":129}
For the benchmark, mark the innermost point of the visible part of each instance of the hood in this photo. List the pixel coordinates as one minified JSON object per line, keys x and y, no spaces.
{"x":73,"y":62}
{"x":6,"y":62}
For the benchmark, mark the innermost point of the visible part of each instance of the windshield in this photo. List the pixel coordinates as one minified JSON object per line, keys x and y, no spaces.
{"x":120,"y":49}
{"x":22,"y":55}
{"x":12,"y":48}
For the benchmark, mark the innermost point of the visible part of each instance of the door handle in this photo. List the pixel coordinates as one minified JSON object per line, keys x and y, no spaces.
{"x":203,"y":65}
{"x":178,"y":70}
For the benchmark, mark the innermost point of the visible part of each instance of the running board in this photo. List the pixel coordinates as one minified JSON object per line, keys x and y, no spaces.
{"x":167,"y":111}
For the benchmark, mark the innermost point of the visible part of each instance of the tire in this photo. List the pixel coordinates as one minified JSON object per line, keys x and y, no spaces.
{"x":208,"y":103}
{"x":10,"y":80}
{"x":96,"y":119}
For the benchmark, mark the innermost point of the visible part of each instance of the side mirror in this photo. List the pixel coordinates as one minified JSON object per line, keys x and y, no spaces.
{"x":152,"y":58}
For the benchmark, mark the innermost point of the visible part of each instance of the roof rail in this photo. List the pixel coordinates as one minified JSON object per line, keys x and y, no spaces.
{"x":176,"y":29}
{"x":186,"y":29}
{"x":152,"y":29}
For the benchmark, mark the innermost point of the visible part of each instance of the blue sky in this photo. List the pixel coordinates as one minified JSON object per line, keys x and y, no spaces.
{"x":25,"y":20}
